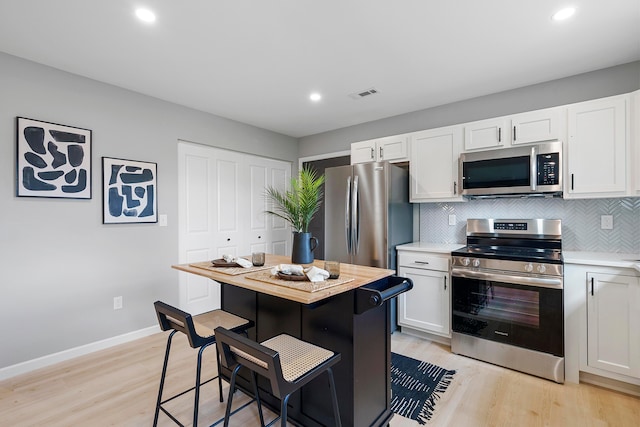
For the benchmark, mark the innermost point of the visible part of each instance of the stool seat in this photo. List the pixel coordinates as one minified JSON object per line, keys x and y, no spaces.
{"x":200,"y":331}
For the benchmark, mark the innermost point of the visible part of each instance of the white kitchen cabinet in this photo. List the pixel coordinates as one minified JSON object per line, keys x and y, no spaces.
{"x":598,"y":149}
{"x":391,"y":148}
{"x":426,"y":307}
{"x":536,"y":126}
{"x":613,"y":323}
{"x":491,"y":133}
{"x":433,"y":166}
{"x":524,"y":128}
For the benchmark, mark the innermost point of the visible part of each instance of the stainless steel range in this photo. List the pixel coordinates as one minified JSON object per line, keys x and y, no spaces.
{"x":507,"y":295}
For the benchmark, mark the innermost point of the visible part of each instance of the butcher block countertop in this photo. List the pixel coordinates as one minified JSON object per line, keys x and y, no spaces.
{"x":351,"y":277}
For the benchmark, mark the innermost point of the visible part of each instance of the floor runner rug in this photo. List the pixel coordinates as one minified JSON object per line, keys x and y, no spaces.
{"x":415,"y":387}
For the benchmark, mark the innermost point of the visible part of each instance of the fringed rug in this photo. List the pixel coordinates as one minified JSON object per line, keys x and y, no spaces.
{"x":415,"y":387}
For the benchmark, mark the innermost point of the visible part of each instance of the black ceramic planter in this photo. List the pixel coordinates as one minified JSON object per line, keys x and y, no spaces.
{"x":303,"y":247}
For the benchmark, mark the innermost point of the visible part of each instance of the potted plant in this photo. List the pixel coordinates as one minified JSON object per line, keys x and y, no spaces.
{"x":297,"y":206}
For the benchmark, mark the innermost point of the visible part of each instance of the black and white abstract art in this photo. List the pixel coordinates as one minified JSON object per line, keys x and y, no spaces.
{"x":53,"y":160}
{"x":129,"y":191}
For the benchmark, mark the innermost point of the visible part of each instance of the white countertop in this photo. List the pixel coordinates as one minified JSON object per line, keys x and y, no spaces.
{"x":430,"y":247}
{"x":604,"y":259}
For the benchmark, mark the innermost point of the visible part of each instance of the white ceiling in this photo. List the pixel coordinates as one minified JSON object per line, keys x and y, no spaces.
{"x":256,"y":61}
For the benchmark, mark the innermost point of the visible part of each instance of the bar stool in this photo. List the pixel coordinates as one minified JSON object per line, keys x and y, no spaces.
{"x":287,"y":362}
{"x":200,"y":330}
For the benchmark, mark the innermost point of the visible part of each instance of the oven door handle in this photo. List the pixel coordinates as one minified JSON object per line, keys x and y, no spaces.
{"x":545,"y":282}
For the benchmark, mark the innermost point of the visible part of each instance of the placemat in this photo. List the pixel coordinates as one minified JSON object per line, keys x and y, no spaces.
{"x":233,"y":271}
{"x":265,"y":276}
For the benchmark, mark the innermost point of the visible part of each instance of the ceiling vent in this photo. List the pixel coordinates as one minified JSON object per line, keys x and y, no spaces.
{"x":364,"y":93}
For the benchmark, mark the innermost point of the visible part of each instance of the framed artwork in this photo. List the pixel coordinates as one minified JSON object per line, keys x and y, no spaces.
{"x":129,"y":191}
{"x":52,"y":160}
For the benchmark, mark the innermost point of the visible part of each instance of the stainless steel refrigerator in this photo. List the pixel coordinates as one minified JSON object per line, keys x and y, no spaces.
{"x":367,"y":213}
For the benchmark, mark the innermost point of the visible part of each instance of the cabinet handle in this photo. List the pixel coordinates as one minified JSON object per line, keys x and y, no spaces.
{"x":499,"y":134}
{"x":445,"y":283}
{"x":592,"y":286}
{"x":455,"y":188}
{"x":422,"y":262}
{"x":571,"y":181}
{"x":514,"y":133}
{"x":373,"y":153}
{"x":381,"y":156}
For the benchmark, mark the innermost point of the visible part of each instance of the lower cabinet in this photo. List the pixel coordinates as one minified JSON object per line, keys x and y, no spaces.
{"x":613,"y":323}
{"x":427,"y":307}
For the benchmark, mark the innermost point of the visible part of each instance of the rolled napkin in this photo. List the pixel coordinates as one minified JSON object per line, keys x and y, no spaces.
{"x":245,"y":263}
{"x":291,"y":269}
{"x":316,"y":274}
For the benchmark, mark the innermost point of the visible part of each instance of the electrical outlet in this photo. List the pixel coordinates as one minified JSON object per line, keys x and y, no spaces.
{"x":606,"y":222}
{"x":162,"y":220}
{"x":452,"y":219}
{"x":117,"y":303}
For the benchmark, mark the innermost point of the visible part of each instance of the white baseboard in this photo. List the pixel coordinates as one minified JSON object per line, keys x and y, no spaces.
{"x":51,"y":359}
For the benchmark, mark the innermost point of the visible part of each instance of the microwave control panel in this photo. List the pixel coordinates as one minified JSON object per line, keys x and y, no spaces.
{"x":548,"y":169}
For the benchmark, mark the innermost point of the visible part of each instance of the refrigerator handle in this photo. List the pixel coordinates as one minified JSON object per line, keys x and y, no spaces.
{"x":355,"y":217}
{"x":347,"y":215}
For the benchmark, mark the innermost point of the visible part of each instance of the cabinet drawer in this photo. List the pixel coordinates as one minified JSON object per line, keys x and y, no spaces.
{"x":425,"y":261}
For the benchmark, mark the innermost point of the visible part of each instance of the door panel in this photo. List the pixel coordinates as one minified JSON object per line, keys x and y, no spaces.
{"x":372,"y":213}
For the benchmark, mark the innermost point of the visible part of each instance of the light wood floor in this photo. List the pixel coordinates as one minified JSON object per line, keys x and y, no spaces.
{"x":118,"y":386}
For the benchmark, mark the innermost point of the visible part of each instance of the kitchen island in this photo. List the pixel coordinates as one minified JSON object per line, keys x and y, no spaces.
{"x":351,"y":318}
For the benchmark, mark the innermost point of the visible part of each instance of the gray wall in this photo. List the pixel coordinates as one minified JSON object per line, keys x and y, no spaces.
{"x":60,"y":266}
{"x":597,"y":84}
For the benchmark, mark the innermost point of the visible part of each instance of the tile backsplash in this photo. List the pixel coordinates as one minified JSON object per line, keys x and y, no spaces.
{"x":580,"y":220}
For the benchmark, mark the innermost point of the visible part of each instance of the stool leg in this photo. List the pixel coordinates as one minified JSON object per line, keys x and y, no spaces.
{"x":283,"y":410}
{"x":164,"y":372}
{"x":219,"y":376}
{"x":232,"y":387}
{"x":334,"y":397}
{"x":254,"y":377}
{"x":197,"y":387}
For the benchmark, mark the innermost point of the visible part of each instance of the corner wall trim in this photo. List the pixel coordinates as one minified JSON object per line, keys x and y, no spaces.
{"x":51,"y":359}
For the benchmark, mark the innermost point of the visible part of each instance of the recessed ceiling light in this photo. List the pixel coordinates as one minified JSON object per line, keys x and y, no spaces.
{"x":563,"y":14}
{"x":145,"y":15}
{"x":315,"y":97}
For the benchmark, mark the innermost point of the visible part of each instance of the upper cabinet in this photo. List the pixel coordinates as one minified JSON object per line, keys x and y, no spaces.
{"x":536,"y":126}
{"x":598,"y":149}
{"x":490,"y":133}
{"x":433,"y":167}
{"x":533,"y":126}
{"x":390,"y":148}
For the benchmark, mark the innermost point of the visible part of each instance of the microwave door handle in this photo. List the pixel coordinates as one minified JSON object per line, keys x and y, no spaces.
{"x":533,"y":168}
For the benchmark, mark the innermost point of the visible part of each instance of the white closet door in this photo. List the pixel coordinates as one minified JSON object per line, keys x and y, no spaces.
{"x":222,"y":208}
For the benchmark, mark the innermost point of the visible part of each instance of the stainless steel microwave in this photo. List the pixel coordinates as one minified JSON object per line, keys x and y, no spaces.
{"x":531,"y":170}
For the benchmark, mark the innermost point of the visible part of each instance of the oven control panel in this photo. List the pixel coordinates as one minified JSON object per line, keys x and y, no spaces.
{"x":507,"y":265}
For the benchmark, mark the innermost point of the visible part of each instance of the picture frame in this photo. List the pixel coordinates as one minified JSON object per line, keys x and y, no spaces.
{"x":129,"y":191}
{"x":52,"y":160}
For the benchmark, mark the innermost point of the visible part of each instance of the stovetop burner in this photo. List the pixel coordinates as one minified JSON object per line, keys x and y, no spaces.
{"x":515,"y":253}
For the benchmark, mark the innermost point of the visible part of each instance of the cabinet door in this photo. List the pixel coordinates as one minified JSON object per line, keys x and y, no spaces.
{"x":535,"y":126}
{"x":363,"y":152}
{"x":426,"y":307}
{"x":434,"y":164}
{"x":613,"y":323}
{"x":393,"y":148}
{"x":597,"y":149}
{"x":492,"y":133}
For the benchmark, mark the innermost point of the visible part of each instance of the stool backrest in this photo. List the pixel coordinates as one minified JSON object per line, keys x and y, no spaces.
{"x":170,"y":317}
{"x":236,"y":349}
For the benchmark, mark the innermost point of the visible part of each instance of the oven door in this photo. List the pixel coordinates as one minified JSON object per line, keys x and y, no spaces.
{"x":525,"y":311}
